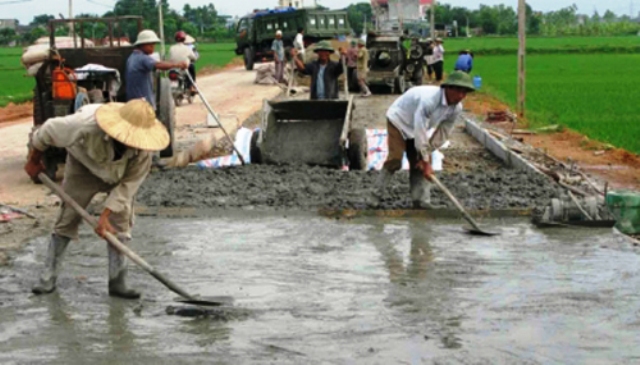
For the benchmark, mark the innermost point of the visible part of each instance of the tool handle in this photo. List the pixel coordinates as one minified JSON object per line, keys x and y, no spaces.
{"x":346,"y":76}
{"x":455,"y":202}
{"x":215,"y":117}
{"x":111,"y":238}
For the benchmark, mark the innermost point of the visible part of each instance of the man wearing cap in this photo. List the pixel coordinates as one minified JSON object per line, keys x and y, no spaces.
{"x":140,"y":67}
{"x":419,"y":122}
{"x":277,"y":47}
{"x":324,"y":72}
{"x":109,"y":149}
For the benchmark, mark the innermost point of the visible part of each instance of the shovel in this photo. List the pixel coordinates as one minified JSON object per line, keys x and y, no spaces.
{"x":215,"y":117}
{"x":475,"y":230}
{"x":115,"y":243}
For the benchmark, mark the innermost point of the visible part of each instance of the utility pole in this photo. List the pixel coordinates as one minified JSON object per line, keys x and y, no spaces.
{"x":71,"y":33}
{"x":161,"y":25}
{"x":522,"y":38}
{"x":432,"y":19}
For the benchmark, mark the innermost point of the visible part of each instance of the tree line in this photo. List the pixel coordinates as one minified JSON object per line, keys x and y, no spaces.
{"x":205,"y":23}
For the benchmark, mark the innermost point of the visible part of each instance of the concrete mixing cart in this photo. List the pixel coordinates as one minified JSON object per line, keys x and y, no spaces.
{"x":314,"y":132}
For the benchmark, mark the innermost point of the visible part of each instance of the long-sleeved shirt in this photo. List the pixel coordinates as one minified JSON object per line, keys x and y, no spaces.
{"x":180,"y":52}
{"x":438,"y":53}
{"x":421,"y":109}
{"x":80,"y":134}
{"x":278,"y":49}
{"x":464,"y":63}
{"x":330,"y":75}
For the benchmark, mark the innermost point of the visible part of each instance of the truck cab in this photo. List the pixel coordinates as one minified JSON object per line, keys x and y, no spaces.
{"x":256,"y":32}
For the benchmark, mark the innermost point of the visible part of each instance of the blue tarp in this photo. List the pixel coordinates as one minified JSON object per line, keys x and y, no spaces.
{"x":274,"y":11}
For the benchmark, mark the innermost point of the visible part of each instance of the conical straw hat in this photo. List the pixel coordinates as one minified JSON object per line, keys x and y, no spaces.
{"x":133,"y":124}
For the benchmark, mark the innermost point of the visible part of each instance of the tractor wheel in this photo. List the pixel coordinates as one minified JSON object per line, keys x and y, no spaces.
{"x":358,"y":149}
{"x":249,"y":58}
{"x":254,"y":150}
{"x":167,"y":114}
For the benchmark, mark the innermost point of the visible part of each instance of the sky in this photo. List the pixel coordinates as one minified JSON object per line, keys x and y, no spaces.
{"x":25,"y":11}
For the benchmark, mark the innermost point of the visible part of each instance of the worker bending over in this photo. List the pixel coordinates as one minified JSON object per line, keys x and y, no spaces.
{"x":324,"y":72}
{"x":109,"y":149}
{"x":419,"y":122}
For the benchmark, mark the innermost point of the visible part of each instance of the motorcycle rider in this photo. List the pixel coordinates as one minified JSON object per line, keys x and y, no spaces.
{"x":180,"y":52}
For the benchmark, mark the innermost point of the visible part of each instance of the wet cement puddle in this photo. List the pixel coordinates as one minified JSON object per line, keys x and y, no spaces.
{"x":314,"y":290}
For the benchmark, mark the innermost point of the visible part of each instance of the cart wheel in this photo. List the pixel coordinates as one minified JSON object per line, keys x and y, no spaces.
{"x":358,"y":149}
{"x":400,"y":85}
{"x":254,"y":150}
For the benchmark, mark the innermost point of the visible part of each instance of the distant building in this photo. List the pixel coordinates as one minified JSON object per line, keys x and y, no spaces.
{"x":297,"y":3}
{"x":9,"y":23}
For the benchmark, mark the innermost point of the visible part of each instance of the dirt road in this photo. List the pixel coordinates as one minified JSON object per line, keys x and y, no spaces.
{"x":231,"y":93}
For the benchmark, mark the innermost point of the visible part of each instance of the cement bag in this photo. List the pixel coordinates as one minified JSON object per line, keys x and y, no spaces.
{"x":265,"y":74}
{"x":64,"y":42}
{"x":33,"y":69}
{"x":34,"y":54}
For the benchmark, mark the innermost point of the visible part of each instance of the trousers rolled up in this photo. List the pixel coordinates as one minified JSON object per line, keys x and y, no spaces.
{"x":397,"y":146}
{"x":362,"y":83}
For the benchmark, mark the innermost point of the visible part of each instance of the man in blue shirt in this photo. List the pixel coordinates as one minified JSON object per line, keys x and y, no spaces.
{"x":464,"y":62}
{"x":277,"y":47}
{"x":140,"y":67}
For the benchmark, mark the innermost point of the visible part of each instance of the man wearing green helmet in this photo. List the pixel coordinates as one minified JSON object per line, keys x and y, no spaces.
{"x":419,"y":122}
{"x":324,"y":72}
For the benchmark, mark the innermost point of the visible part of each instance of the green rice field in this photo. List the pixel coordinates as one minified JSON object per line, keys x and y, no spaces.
{"x":594,"y":94}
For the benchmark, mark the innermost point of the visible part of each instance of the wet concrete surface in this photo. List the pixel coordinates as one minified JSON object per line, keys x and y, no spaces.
{"x":318,"y":291}
{"x":310,"y":188}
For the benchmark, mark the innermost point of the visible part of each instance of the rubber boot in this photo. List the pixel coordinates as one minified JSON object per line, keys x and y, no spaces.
{"x":55,"y":251}
{"x":381,"y":186}
{"x":118,"y":274}
{"x":421,"y":191}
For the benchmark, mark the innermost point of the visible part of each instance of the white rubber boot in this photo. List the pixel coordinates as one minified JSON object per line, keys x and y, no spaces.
{"x":55,"y":252}
{"x":421,"y":191}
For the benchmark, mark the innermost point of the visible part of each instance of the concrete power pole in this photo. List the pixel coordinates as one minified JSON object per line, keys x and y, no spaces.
{"x":161,"y":26}
{"x":71,"y":32}
{"x":432,"y":19}
{"x":522,"y":38}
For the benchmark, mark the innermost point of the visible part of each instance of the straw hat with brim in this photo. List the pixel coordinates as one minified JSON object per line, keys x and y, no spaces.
{"x":324,"y":46}
{"x":189,"y":40}
{"x":439,"y":40}
{"x":133,"y":124}
{"x":147,"y":36}
{"x":459,"y":79}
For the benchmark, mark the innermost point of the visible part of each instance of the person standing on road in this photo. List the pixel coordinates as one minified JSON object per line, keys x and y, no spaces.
{"x":464,"y":62}
{"x":324,"y":72}
{"x":277,"y":47}
{"x":419,"y":122}
{"x":181,"y":53}
{"x":429,"y":60}
{"x":363,"y":68}
{"x":352,"y":65}
{"x":438,"y":59}
{"x":298,"y":43}
{"x":140,"y":68}
{"x":109,"y":149}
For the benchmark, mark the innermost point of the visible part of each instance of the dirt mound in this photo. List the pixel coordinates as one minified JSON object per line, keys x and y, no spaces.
{"x":309,"y":188}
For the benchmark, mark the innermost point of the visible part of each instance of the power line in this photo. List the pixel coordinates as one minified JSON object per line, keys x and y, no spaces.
{"x":101,"y":4}
{"x":14,"y":2}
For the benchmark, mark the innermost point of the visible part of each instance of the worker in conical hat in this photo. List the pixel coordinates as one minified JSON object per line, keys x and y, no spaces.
{"x":109,"y":149}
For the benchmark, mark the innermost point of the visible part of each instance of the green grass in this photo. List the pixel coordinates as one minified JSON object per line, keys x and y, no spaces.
{"x":593,"y":94}
{"x":494,"y":45}
{"x":18,"y":88}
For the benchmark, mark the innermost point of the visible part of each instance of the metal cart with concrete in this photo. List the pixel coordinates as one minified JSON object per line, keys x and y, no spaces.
{"x":314,"y":132}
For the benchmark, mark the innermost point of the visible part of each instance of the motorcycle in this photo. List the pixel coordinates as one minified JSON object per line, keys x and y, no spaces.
{"x":179,"y":87}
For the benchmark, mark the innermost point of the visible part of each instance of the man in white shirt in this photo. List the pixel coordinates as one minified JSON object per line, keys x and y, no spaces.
{"x":438,"y":59}
{"x":298,"y":43}
{"x":409,"y":120}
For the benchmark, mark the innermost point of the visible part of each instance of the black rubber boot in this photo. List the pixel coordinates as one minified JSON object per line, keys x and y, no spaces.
{"x":55,"y":251}
{"x":118,"y":274}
